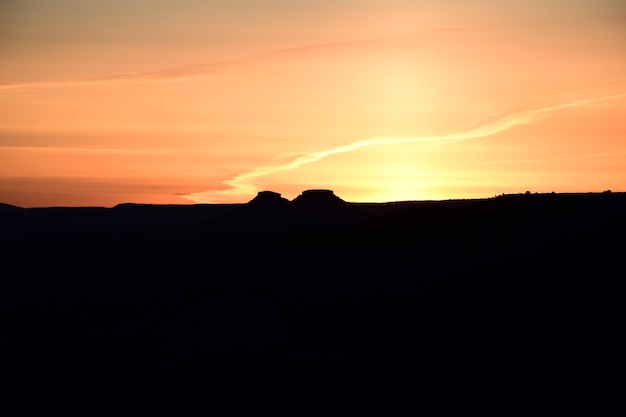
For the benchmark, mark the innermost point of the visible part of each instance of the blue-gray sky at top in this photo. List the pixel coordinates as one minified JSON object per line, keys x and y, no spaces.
{"x":113,"y":18}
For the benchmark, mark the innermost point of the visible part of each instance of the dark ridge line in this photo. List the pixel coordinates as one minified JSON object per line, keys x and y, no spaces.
{"x":7,"y":206}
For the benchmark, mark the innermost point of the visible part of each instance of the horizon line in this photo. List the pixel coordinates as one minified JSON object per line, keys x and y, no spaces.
{"x":191,"y":204}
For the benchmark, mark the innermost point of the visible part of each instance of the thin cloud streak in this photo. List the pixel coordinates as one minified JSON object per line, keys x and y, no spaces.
{"x":96,"y":151}
{"x":243,"y":185}
{"x":166,"y":75}
{"x":185,"y":72}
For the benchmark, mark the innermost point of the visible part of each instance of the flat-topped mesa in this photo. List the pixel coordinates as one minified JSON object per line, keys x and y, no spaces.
{"x":268,"y":199}
{"x":322,"y":209}
{"x":318,"y":197}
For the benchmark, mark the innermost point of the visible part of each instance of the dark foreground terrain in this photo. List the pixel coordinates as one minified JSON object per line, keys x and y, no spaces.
{"x":503,"y":302}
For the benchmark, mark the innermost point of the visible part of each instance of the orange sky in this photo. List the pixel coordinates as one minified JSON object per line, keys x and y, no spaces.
{"x":205,"y":101}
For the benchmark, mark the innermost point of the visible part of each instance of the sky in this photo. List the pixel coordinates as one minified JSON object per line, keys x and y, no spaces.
{"x":203,"y":101}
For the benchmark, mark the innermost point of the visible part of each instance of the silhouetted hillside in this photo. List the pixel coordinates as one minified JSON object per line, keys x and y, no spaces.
{"x":268,"y":201}
{"x":323,"y":209}
{"x":7,"y":208}
{"x":508,"y":296}
{"x":121,"y":218}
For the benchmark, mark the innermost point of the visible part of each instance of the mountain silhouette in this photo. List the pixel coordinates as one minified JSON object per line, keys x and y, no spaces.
{"x":454,"y":298}
{"x":318,"y":199}
{"x":270,"y":214}
{"x":8,"y":208}
{"x":268,"y":200}
{"x":322,"y":208}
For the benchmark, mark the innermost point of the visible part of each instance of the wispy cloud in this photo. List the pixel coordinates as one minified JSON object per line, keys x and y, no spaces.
{"x":183,"y":72}
{"x":162,"y":75}
{"x":93,"y":151}
{"x":243,"y":186}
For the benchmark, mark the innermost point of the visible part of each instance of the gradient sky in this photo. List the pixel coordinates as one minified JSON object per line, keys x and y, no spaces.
{"x":202,"y":101}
